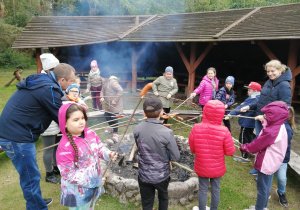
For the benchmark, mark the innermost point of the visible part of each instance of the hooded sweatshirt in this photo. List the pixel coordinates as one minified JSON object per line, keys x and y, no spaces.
{"x":79,"y":184}
{"x":271,"y":144}
{"x":210,"y":141}
{"x":30,"y":110}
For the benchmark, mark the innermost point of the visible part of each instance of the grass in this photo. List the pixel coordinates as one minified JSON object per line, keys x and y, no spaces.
{"x":238,"y":188}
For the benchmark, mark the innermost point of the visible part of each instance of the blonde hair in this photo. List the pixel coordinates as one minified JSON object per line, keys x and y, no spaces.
{"x":277,"y":65}
{"x":212,"y":69}
{"x":291,"y":119}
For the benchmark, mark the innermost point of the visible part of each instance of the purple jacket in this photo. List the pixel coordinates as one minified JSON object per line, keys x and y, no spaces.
{"x":271,"y":144}
{"x":205,"y":89}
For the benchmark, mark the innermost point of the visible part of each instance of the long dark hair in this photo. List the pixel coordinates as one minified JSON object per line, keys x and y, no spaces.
{"x":71,"y":109}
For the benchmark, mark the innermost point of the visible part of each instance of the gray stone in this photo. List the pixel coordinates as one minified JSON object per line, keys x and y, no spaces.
{"x":131,"y":184}
{"x":191,"y":197}
{"x":109,"y":143}
{"x":122,"y":198}
{"x":120,"y":187}
{"x":178,"y":189}
{"x":138,"y":197}
{"x":173,"y":201}
{"x":129,"y":194}
{"x":183,"y":201}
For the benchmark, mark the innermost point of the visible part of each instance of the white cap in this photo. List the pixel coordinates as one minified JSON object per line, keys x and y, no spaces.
{"x":49,"y":61}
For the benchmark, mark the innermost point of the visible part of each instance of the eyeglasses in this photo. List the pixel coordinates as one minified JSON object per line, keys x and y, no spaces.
{"x":74,"y":91}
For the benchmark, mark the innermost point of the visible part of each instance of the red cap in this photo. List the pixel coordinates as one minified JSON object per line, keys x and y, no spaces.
{"x":254,"y":86}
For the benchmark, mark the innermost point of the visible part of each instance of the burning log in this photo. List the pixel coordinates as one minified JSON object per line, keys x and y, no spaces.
{"x":17,"y":75}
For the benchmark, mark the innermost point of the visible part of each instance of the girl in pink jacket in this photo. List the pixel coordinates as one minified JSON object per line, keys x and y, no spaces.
{"x":207,"y":87}
{"x":78,"y":159}
{"x":270,"y":148}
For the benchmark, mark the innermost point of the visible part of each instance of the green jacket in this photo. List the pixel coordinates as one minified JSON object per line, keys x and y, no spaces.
{"x":163,"y":87}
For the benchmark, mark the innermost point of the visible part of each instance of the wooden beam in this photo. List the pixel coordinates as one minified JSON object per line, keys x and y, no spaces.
{"x":38,"y":52}
{"x":201,"y":57}
{"x":292,"y":62}
{"x":137,"y":26}
{"x":235,"y":23}
{"x":192,"y":74}
{"x":184,"y":59}
{"x":134,"y":70}
{"x":266,"y":50}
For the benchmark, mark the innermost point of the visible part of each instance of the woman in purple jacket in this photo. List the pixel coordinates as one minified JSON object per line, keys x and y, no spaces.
{"x":207,"y":87}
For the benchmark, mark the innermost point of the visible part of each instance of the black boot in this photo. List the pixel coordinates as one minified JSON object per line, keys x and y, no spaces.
{"x":50,"y":177}
{"x":56,"y":170}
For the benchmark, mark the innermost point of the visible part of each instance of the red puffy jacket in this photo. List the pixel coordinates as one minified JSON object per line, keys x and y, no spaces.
{"x":210,"y":141}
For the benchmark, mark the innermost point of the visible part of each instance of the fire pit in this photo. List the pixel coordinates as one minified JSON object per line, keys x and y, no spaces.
{"x":122,"y":177}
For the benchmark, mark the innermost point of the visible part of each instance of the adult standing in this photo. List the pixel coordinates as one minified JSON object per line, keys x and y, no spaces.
{"x":276,"y":88}
{"x":207,"y":88}
{"x":165,"y":87}
{"x":26,"y":115}
{"x":111,"y":94}
{"x":49,"y":137}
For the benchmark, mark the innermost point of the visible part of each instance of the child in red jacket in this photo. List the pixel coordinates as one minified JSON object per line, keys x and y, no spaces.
{"x":210,"y":141}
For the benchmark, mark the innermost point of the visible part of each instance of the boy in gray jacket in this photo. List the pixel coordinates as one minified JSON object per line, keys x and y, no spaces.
{"x":156,"y":147}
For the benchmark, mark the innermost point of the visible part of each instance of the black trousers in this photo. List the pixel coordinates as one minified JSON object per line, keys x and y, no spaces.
{"x":147,"y":191}
{"x":246,"y":136}
{"x":109,"y":117}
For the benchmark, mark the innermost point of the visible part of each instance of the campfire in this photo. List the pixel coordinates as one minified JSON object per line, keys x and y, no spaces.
{"x":123,"y":174}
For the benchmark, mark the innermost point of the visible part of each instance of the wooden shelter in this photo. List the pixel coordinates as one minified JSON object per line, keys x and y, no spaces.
{"x":241,"y":39}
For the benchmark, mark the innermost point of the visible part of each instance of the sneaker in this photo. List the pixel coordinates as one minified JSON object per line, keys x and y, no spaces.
{"x":251,"y":208}
{"x":282,"y":199}
{"x":195,"y":208}
{"x":48,"y":201}
{"x":241,"y":160}
{"x":207,"y":208}
{"x":254,"y":172}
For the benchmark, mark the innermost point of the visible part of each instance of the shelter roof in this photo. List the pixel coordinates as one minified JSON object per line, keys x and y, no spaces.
{"x":261,"y":23}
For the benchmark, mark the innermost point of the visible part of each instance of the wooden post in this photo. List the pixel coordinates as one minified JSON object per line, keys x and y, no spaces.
{"x":292,"y":61}
{"x":38,"y":52}
{"x":192,"y":74}
{"x":134,"y":70}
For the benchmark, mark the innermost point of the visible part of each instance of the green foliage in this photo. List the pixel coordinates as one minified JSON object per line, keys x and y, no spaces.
{"x":10,"y":58}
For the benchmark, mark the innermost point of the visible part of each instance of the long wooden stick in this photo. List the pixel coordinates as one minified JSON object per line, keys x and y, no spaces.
{"x":239,"y":116}
{"x":181,"y":166}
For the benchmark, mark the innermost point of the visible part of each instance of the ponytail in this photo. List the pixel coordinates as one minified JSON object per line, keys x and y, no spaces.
{"x":70,"y":137}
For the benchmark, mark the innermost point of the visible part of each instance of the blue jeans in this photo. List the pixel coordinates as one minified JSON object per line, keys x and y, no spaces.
{"x":23,"y":156}
{"x":263,"y":192}
{"x":258,"y":127}
{"x":281,"y":178}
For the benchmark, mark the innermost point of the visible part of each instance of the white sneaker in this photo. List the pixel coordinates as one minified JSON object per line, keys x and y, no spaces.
{"x":195,"y":208}
{"x":207,"y":208}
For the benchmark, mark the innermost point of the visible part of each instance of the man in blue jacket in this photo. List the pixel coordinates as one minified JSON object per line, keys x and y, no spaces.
{"x":26,"y":115}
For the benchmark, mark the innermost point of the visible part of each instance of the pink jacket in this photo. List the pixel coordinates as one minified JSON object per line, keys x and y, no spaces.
{"x":205,"y":89}
{"x":210,"y":141}
{"x":79,"y":184}
{"x":271,"y":144}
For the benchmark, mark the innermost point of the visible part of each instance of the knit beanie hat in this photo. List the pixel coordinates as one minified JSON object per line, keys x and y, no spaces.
{"x":169,"y":69}
{"x":71,"y":86}
{"x":49,"y":61}
{"x":230,"y":79}
{"x":94,"y":64}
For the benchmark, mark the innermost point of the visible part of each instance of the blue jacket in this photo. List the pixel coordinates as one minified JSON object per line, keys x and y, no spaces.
{"x":246,"y":122}
{"x":278,"y":90}
{"x":30,"y":110}
{"x":221,"y":96}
